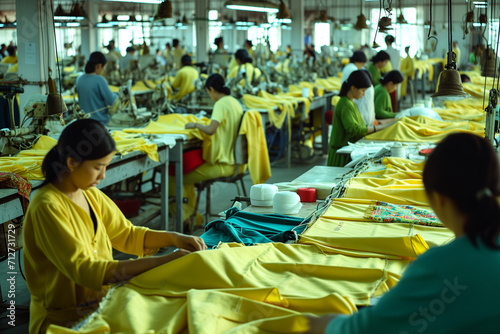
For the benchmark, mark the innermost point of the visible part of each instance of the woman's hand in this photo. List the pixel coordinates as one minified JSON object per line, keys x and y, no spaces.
{"x":189,"y":242}
{"x":190,"y":125}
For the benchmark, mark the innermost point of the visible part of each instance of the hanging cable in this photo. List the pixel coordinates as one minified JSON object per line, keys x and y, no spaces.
{"x":430,"y":27}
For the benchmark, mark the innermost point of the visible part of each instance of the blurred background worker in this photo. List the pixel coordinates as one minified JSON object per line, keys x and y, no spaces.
{"x":184,"y":79}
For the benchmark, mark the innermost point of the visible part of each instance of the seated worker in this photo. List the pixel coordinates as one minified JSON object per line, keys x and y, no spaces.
{"x":71,"y":228}
{"x":378,"y":62}
{"x":218,"y":148}
{"x":244,"y":61}
{"x":348,"y":125}
{"x":159,"y":58}
{"x":248,"y":46}
{"x":94,"y":94}
{"x":365,"y":104}
{"x":439,"y":291}
{"x":388,"y":83}
{"x":125,"y":61}
{"x":11,"y":57}
{"x":184,"y":78}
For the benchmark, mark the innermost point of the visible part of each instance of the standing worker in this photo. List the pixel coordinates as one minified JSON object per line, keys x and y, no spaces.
{"x":11,"y":55}
{"x":395,"y":56}
{"x":378,"y":62}
{"x":177,"y":53}
{"x":94,"y":94}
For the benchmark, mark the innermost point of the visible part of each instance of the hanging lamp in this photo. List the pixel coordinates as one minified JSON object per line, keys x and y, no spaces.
{"x":361,"y":19}
{"x":163,"y":11}
{"x":55,"y":103}
{"x":283,"y":12}
{"x":450,"y":83}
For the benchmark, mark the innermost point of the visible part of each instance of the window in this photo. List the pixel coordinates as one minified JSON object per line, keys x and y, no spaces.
{"x":321,"y":35}
{"x":410,"y":34}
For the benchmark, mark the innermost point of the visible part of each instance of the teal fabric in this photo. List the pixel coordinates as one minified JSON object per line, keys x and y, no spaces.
{"x":383,"y":106}
{"x":251,"y":228}
{"x":347,"y":126}
{"x":448,"y":289}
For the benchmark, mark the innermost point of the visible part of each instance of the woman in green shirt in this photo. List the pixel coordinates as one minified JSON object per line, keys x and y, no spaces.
{"x":388,"y":83}
{"x":348,"y":124}
{"x":378,"y":62}
{"x":452,"y":288}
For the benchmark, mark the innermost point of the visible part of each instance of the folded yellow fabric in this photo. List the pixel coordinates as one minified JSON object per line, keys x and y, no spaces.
{"x":172,"y":123}
{"x":276,"y":119}
{"x":28,"y":163}
{"x":330,"y":83}
{"x":424,"y":129}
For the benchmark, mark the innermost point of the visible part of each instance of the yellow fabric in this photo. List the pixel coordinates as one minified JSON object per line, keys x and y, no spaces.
{"x":232,"y":65}
{"x":476,"y":87}
{"x":14,"y":68}
{"x":28,"y":163}
{"x":64,"y":261}
{"x":259,"y":289}
{"x":424,"y":129}
{"x":330,"y":84}
{"x":219,"y":148}
{"x":407,"y":67}
{"x":258,"y":156}
{"x":467,"y":109}
{"x":184,"y":80}
{"x":172,"y":123}
{"x":261,"y":102}
{"x":9,"y":60}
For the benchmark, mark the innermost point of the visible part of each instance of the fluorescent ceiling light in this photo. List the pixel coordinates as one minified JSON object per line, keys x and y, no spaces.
{"x":481,"y":6}
{"x":213,"y":15}
{"x":253,"y":6}
{"x":123,"y":17}
{"x":69,"y":18}
{"x":479,"y":2}
{"x":137,"y":1}
{"x":244,"y":23}
{"x":72,"y":24}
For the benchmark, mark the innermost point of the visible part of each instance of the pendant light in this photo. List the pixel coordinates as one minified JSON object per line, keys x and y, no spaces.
{"x":163,"y":11}
{"x":361,"y":19}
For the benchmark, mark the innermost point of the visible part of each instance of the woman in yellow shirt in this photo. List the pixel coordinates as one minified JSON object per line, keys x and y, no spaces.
{"x":184,"y":78}
{"x":71,"y":228}
{"x":12,"y":57}
{"x":218,"y":147}
{"x":245,"y":62}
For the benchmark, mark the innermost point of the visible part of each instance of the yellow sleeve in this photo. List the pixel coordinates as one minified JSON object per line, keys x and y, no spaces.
{"x":60,"y":243}
{"x":177,"y":80}
{"x":124,"y":236}
{"x":233,"y":72}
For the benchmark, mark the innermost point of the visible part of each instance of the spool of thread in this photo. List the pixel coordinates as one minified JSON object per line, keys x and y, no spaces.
{"x":305,"y":92}
{"x":398,"y":151}
{"x":307,"y":194}
{"x":286,"y":203}
{"x":262,"y":194}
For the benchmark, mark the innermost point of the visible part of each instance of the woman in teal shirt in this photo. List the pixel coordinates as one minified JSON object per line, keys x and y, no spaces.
{"x":378,"y":62}
{"x":388,"y":83}
{"x":348,"y":124}
{"x":453,"y":288}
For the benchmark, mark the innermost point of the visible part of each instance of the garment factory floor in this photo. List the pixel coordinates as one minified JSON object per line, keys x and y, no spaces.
{"x":222,"y":192}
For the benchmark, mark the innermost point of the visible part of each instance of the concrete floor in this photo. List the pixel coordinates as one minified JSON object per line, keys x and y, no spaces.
{"x":221,"y":195}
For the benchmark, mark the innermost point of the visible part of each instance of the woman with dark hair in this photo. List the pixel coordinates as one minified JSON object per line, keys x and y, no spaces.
{"x":71,"y":228}
{"x":94,"y":94}
{"x":348,"y":124}
{"x":452,"y":288}
{"x":184,"y":78}
{"x":388,"y":84}
{"x":218,"y":147}
{"x":244,"y":62}
{"x":219,"y":44}
{"x":378,"y":62}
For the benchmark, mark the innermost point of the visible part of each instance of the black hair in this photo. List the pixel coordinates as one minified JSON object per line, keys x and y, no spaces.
{"x":389,"y":39}
{"x":218,"y":40}
{"x":357,"y":79}
{"x":249,"y":43}
{"x":94,"y":59}
{"x":358,"y":56}
{"x":368,"y":74}
{"x":243,"y":56}
{"x":84,"y":139}
{"x":175,"y":42}
{"x":216,"y":81}
{"x":464,"y":78}
{"x":11,"y":50}
{"x":395,"y":76}
{"x":472,"y":183}
{"x":186,"y":60}
{"x":380,"y":56}
{"x":130,"y":49}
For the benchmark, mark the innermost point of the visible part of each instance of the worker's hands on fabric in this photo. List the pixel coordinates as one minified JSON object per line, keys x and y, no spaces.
{"x":318,"y":324}
{"x":179,"y":252}
{"x":190,"y":242}
{"x":190,"y":125}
